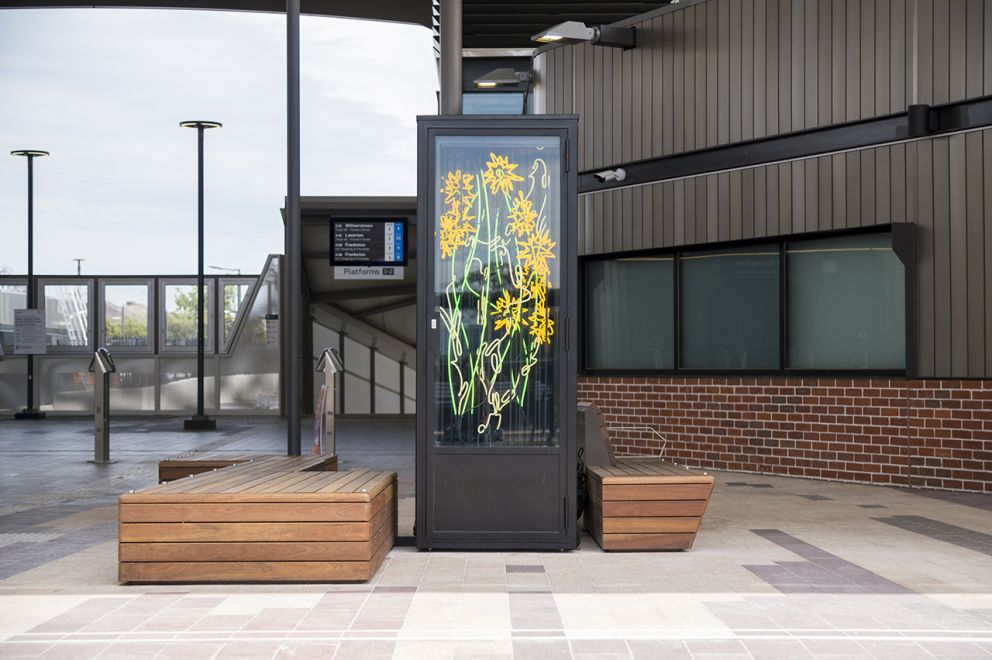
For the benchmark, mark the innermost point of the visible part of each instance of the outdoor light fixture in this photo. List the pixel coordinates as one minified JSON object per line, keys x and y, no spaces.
{"x":502,"y":78}
{"x":573,"y":32}
{"x":30,"y":412}
{"x":605,"y":176}
{"x":199,"y":421}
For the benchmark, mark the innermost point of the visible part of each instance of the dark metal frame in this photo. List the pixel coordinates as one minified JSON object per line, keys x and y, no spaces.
{"x":903,"y":244}
{"x":565,"y":538}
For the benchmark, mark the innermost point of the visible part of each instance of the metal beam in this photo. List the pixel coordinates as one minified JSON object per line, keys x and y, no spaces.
{"x":951,"y":118}
{"x":365,"y":292}
{"x":451,"y":57}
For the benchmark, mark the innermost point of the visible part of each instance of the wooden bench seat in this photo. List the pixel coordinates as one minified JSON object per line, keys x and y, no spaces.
{"x":645,"y":504}
{"x":177,"y":468}
{"x":274,"y":519}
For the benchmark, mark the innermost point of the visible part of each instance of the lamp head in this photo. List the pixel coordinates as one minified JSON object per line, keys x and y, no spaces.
{"x":573,"y":32}
{"x":29,"y":153}
{"x":504,"y":77}
{"x":200,"y":123}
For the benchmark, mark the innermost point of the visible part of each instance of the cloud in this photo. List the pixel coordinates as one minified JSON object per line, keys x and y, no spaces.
{"x":104,"y":90}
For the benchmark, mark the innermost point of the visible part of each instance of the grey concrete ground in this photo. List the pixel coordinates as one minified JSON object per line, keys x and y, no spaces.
{"x":782,"y":568}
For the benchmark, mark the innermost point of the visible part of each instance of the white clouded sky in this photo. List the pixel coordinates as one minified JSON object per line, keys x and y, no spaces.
{"x":105,"y":89}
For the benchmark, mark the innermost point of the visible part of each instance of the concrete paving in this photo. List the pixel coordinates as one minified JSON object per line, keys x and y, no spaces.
{"x":782,"y":568}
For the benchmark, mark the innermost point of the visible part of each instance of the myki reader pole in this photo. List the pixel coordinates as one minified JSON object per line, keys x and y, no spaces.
{"x":329,"y":364}
{"x":101,"y":366}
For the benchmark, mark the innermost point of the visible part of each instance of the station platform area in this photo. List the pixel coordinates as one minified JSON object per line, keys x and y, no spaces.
{"x":781,"y":568}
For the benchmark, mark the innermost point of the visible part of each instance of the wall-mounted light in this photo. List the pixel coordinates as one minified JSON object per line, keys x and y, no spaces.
{"x":573,"y":32}
{"x":605,"y":176}
{"x":502,"y":78}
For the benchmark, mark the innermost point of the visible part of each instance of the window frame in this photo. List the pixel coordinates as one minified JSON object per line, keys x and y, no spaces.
{"x":42,"y":303}
{"x":210,"y":307}
{"x":101,"y":320}
{"x":903,"y":244}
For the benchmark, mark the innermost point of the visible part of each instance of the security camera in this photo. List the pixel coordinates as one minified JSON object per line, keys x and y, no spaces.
{"x":618,"y":174}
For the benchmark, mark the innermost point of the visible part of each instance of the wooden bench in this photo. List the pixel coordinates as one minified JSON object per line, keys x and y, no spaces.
{"x":276,"y":519}
{"x":639,"y":503}
{"x":177,"y":468}
{"x":645,"y":504}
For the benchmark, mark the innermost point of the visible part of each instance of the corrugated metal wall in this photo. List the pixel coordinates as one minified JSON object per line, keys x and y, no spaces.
{"x":723,"y":71}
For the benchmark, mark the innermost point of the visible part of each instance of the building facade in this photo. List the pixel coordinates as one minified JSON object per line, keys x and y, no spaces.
{"x":826,"y":316}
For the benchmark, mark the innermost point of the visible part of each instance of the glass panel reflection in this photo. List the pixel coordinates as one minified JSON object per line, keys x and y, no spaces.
{"x":181,"y":315}
{"x":67,"y":314}
{"x":125,"y":315}
{"x":497,"y":285}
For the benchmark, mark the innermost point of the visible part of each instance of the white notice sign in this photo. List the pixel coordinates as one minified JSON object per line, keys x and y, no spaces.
{"x":368,"y":272}
{"x":29,"y":331}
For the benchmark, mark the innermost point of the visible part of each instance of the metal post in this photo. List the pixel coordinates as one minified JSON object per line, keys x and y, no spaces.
{"x":294,"y":283}
{"x":200,"y":422}
{"x":30,"y":412}
{"x":451,"y":57}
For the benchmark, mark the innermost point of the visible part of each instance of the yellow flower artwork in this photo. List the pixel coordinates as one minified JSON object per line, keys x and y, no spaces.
{"x":522,"y":215}
{"x":499,"y":174}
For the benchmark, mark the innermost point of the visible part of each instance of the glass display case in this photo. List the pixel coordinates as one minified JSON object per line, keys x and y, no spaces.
{"x":496,"y":301}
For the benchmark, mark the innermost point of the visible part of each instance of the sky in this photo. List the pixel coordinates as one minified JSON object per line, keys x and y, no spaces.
{"x":104,"y":91}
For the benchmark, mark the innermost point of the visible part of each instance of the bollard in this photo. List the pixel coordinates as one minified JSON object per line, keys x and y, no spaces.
{"x":101,"y":366}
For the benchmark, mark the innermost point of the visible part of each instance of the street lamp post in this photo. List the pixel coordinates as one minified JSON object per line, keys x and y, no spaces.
{"x":200,"y":422}
{"x":30,"y":412}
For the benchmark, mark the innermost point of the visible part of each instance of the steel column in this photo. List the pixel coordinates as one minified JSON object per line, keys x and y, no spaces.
{"x":294,"y":284}
{"x":451,"y":57}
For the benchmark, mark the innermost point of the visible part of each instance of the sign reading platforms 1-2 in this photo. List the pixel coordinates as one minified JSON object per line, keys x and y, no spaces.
{"x":368,"y":242}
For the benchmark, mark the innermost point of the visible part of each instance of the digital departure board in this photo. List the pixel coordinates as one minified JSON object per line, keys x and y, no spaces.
{"x":368,"y":242}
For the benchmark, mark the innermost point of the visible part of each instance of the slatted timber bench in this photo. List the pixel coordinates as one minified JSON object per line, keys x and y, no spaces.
{"x":639,"y":503}
{"x":171,"y":469}
{"x":274,"y":519}
{"x":645,"y":504}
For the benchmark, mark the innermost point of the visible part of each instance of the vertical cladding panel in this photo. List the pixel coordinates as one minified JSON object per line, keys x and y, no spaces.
{"x":811,"y":60}
{"x":824,"y":62}
{"x":883,"y":186}
{"x":617,"y":198}
{"x":798,"y":64}
{"x":658,"y":204}
{"x":712,"y":72}
{"x":976,"y":230}
{"x":812,"y":213}
{"x":838,"y":64}
{"x":987,"y":189}
{"x":735,"y":57}
{"x":690,"y":211}
{"x":701,"y":75}
{"x":541,"y":86}
{"x":897,"y":56}
{"x":784,"y":66}
{"x":883,"y":24}
{"x":760,"y":55}
{"x":570,"y":105}
{"x":616,"y":155}
{"x":647,"y":222}
{"x":868,"y":208}
{"x":668,"y":211}
{"x":747,"y":70}
{"x":701,"y":212}
{"x":627,"y":103}
{"x":826,"y":192}
{"x":736,"y":207}
{"x":798,"y":196}
{"x":941,"y":257}
{"x":598,"y":122}
{"x":925,"y":52}
{"x":958,"y":254}
{"x":839,"y":188}
{"x":712,"y":209}
{"x":678,"y":82}
{"x":653,"y":41}
{"x":723,"y":72}
{"x":609,"y":122}
{"x":853,"y":64}
{"x":637,"y":100}
{"x":723,"y":206}
{"x":658,"y":92}
{"x":747,"y":204}
{"x":958,"y":42}
{"x":689,"y":76}
{"x":772,"y":206}
{"x":668,"y":77}
{"x":631,"y":220}
{"x":599,"y":220}
{"x":941,"y":51}
{"x":922,"y":179}
{"x":974,"y":56}
{"x":678,"y":219}
{"x":771,"y":67}
{"x":897,"y":158}
{"x":853,"y":190}
{"x":867,"y":58}
{"x":761,"y":201}
{"x":582,"y":96}
{"x":785,"y":198}
{"x":987,"y":58}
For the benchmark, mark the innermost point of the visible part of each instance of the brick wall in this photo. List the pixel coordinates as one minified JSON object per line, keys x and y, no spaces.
{"x":921,"y":433}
